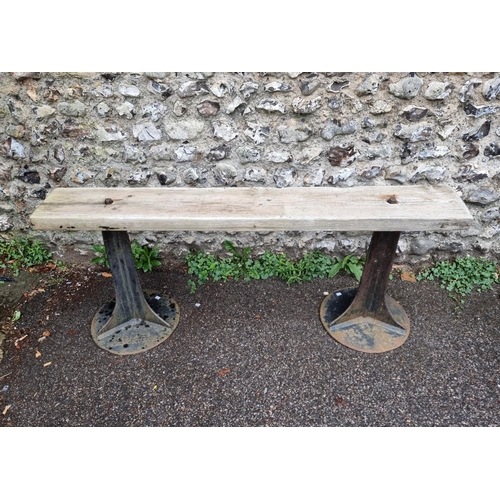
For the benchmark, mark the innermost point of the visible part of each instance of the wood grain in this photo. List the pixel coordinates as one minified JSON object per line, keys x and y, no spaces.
{"x":364,"y":209}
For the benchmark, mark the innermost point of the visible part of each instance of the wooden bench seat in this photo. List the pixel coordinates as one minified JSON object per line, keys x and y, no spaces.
{"x":364,"y":318}
{"x":364,"y":209}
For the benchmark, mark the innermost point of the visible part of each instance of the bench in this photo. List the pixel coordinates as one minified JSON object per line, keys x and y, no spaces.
{"x":364,"y":318}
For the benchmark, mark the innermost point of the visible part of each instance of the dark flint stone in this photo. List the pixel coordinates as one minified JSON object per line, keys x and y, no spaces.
{"x":338,"y":154}
{"x":471,"y":110}
{"x":335,"y":103}
{"x":408,"y":151}
{"x":338,"y":86}
{"x":59,"y":154}
{"x":40,"y":193}
{"x":219,"y":153}
{"x":415,"y":114}
{"x":164,"y":90}
{"x":481,"y":132}
{"x":53,"y":128}
{"x":30,"y":176}
{"x":470,"y":151}
{"x":308,"y":87}
{"x":109,"y":76}
{"x":492,"y":150}
{"x":58,"y":174}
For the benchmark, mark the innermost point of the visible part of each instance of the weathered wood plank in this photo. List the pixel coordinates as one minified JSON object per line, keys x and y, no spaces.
{"x":364,"y":209}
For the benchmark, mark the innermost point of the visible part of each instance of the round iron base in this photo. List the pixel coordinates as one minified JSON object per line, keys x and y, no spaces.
{"x":136,"y":335}
{"x":364,"y":334}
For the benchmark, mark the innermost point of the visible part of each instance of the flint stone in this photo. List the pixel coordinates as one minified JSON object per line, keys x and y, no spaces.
{"x":73,"y":109}
{"x":308,"y":87}
{"x":129,"y":90}
{"x":160,"y":152}
{"x":414,"y":114}
{"x":432,"y":174}
{"x":154,"y":110}
{"x":13,"y":149}
{"x":30,"y":176}
{"x":492,"y":150}
{"x":179,"y":108}
{"x":337,"y":85}
{"x":183,"y":131}
{"x":42,"y":112}
{"x":156,"y":76}
{"x":445,"y":132}
{"x":482,"y":196}
{"x":491,"y":88}
{"x":307,"y":155}
{"x":5,"y":223}
{"x":167,"y":177}
{"x":334,"y":127}
{"x":434,"y":152}
{"x":134,"y":155}
{"x":185,"y":153}
{"x":103,"y":91}
{"x":341,"y":176}
{"x":59,"y":154}
{"x":20,"y":76}
{"x":208,"y":108}
{"x":478,"y":133}
{"x":247,"y":155}
{"x":314,"y":178}
{"x":126,"y":109}
{"x":465,"y":92}
{"x":146,"y":132}
{"x":422,"y":246}
{"x":437,"y":91}
{"x":225,"y":174}
{"x":335,"y":102}
{"x":237,"y":103}
{"x":292,"y":134}
{"x":192,"y":176}
{"x":220,"y":89}
{"x":490,"y":215}
{"x":284,"y":177}
{"x":469,"y":173}
{"x":279,"y":156}
{"x":478,"y":111}
{"x":408,"y":153}
{"x":192,"y":88}
{"x":397,"y":175}
{"x":277,"y":87}
{"x":369,"y":85}
{"x":82,"y":176}
{"x":255,"y":175}
{"x":341,"y":156}
{"x":5,"y":173}
{"x":57,"y":174}
{"x":380,"y":107}
{"x":258,"y":133}
{"x":139,"y":178}
{"x":305,"y":107}
{"x":271,"y":105}
{"x":249,"y":88}
{"x":413,"y":133}
{"x":16,"y":131}
{"x":103,"y":109}
{"x":109,"y":135}
{"x":218,"y":153}
{"x":164,"y":90}
{"x":372,"y":172}
{"x":224,"y":130}
{"x":407,"y":88}
{"x":372,"y":153}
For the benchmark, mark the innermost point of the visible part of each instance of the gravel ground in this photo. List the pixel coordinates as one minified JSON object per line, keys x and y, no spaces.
{"x":249,"y":354}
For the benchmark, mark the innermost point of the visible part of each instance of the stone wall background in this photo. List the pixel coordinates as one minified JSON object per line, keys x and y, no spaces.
{"x":264,"y":129}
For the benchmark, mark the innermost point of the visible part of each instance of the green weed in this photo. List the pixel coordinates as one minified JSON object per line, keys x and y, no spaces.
{"x":240,"y":265}
{"x":462,"y":275}
{"x":21,"y":253}
{"x":145,"y":258}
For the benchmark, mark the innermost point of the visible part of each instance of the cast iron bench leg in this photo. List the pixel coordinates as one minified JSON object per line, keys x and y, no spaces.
{"x":133,"y":322}
{"x":367,"y":319}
